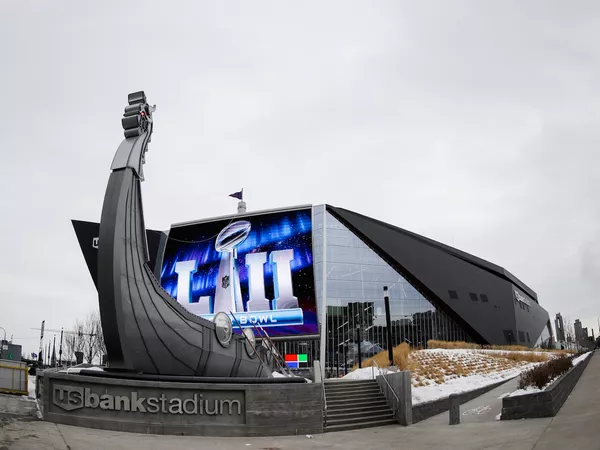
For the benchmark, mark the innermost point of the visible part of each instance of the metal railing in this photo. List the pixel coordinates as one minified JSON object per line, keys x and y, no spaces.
{"x":396,"y":406}
{"x":323,"y":393}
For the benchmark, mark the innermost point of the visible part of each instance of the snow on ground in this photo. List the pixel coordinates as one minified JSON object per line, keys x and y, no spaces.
{"x":366,"y":373}
{"x":580,"y":358}
{"x":281,"y":375}
{"x":79,"y":369}
{"x":437,"y":373}
{"x":31,"y":395}
{"x":31,"y":386}
{"x":463,"y":384}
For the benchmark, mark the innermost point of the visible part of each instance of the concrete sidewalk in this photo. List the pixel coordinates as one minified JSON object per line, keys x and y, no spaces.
{"x":519,"y":435}
{"x":577,"y":424}
{"x":484,"y":408}
{"x":575,"y":427}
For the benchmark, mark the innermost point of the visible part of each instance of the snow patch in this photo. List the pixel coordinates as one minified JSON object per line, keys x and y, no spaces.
{"x":79,"y":369}
{"x":281,"y":375}
{"x":366,"y":373}
{"x":424,"y":394}
{"x":31,"y":386}
{"x":580,"y":358}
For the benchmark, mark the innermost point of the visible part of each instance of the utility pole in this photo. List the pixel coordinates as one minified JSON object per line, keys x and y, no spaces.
{"x":60,"y":348}
{"x":40,"y":359}
{"x":53,"y":361}
{"x":359,"y":352}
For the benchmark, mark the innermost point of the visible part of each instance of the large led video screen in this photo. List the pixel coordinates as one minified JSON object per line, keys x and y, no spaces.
{"x":258,"y":269}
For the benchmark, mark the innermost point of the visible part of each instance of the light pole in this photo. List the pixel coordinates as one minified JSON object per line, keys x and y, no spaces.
{"x":359,"y":352}
{"x":3,"y":341}
{"x":60,"y":349}
{"x":388,"y":325}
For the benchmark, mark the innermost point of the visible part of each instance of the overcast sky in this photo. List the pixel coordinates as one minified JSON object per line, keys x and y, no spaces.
{"x":473,"y":123}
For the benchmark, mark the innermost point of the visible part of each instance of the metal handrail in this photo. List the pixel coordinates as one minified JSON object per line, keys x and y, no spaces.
{"x":324,"y":397}
{"x":390,"y":387}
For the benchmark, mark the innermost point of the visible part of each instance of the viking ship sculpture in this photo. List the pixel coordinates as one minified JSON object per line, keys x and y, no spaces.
{"x":145,"y":330}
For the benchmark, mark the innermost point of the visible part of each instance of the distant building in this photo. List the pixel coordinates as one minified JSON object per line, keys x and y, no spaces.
{"x":560,"y":328}
{"x":578,"y":330}
{"x":10,"y":351}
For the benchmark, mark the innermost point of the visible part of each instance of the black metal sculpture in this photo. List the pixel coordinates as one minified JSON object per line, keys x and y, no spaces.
{"x":145,"y":329}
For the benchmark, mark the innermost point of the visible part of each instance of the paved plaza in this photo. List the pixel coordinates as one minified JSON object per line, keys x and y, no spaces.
{"x":575,"y":427}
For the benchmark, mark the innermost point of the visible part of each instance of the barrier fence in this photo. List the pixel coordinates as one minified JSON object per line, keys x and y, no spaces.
{"x":13,"y":377}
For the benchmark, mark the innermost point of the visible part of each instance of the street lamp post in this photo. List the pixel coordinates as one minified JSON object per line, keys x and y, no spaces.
{"x":388,"y":325}
{"x":359,"y":352}
{"x":60,"y":349}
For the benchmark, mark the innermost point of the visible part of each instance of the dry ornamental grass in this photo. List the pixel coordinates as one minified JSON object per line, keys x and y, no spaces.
{"x":429,"y":367}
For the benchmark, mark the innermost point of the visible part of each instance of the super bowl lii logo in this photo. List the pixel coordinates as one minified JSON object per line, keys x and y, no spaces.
{"x":283,"y":309}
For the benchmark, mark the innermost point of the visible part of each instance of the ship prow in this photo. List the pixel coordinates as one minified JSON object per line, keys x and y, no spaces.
{"x":145,"y":329}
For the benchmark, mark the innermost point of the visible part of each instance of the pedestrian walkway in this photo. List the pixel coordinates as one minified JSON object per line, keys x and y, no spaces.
{"x":485,"y":408}
{"x":577,"y":424}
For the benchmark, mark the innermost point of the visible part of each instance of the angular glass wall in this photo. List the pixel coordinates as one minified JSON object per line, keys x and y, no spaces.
{"x":355,"y":313}
{"x":545,"y":340}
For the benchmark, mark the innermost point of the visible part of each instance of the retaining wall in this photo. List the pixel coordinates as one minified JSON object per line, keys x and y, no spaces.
{"x":401,"y":385}
{"x":206,"y":409}
{"x":545,"y":403}
{"x":426,"y":410}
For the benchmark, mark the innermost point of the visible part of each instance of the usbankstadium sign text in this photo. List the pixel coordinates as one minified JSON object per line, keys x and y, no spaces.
{"x":71,"y":398}
{"x":522,"y":299}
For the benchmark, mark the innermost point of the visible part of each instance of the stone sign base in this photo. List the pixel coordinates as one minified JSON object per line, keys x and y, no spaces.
{"x":159,"y":407}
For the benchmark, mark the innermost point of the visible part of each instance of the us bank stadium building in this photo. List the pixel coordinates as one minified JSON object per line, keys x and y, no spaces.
{"x":313,"y":278}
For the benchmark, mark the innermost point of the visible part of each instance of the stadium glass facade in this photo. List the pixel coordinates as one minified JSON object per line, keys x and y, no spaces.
{"x":436,"y":292}
{"x":354,"y":299}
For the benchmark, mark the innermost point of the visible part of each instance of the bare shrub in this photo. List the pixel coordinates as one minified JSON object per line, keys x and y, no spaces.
{"x":541,"y":375}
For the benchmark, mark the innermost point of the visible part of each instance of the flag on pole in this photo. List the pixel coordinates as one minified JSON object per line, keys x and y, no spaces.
{"x":239,"y":195}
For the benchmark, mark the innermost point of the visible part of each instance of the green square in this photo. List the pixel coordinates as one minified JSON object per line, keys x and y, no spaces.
{"x":302,"y":357}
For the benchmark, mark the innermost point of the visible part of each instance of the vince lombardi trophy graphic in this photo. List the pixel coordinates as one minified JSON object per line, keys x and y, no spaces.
{"x":228,"y":296}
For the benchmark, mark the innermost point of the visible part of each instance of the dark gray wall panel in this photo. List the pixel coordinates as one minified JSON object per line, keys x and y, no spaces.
{"x":86,"y":232}
{"x":434,"y":270}
{"x":529,"y":319}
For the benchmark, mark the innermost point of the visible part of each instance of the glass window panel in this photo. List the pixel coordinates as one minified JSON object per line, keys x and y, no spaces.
{"x":355,"y":278}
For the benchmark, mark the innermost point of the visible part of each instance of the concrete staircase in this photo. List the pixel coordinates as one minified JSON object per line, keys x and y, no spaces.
{"x":355,"y":404}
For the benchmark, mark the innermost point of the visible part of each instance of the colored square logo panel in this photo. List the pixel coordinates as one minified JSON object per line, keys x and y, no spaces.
{"x":296,"y":360}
